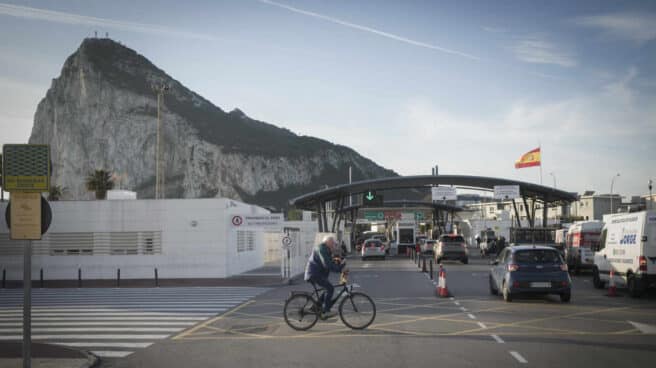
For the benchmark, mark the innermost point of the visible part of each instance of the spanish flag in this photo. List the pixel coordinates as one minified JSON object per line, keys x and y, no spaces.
{"x":529,"y":159}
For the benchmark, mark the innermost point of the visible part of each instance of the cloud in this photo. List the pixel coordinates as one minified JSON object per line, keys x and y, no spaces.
{"x":636,"y":27}
{"x":83,"y":20}
{"x":372,"y":30}
{"x":535,"y":50}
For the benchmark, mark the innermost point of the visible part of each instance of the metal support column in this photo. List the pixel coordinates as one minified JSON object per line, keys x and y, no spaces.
{"x":27,"y":305}
{"x":319,"y":217}
{"x":325,"y":216}
{"x":528,"y":213}
{"x":517,"y":216}
{"x":544,"y":214}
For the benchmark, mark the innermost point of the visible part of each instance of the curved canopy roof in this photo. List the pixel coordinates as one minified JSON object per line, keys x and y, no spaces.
{"x":540,"y":192}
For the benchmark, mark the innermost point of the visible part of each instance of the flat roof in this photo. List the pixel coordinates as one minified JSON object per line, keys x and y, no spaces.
{"x":541,"y":192}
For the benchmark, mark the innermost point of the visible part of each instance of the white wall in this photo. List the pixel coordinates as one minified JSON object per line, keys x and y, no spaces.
{"x":195,"y":239}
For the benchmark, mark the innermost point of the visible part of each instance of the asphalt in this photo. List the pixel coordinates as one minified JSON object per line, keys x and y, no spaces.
{"x":414,"y":327}
{"x":45,"y":356}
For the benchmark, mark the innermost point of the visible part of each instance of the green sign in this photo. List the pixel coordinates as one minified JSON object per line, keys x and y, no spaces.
{"x":370,"y":198}
{"x":419,"y":216}
{"x":374,"y":215}
{"x":26,"y":167}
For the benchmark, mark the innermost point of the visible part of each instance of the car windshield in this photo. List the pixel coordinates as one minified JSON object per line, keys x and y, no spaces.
{"x":536,"y":256}
{"x":374,"y":243}
{"x":452,"y":239}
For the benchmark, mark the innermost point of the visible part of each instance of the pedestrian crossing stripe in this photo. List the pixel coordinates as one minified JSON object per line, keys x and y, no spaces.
{"x":113,"y":323}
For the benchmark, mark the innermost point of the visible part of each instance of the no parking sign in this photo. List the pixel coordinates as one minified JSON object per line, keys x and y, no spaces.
{"x":286,"y":241}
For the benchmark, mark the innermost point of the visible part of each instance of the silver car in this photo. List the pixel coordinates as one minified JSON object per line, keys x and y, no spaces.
{"x":451,"y":247}
{"x":373,"y":248}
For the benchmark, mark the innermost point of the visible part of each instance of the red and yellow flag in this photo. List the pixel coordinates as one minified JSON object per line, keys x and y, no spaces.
{"x":529,"y":159}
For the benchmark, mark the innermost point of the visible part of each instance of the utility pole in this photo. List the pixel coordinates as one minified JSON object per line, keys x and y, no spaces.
{"x":651,"y":199}
{"x":612,"y":182}
{"x":159,"y":175}
{"x":554,"y":178}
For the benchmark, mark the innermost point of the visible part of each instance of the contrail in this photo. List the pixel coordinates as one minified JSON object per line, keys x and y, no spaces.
{"x":370,"y":30}
{"x":76,"y":19}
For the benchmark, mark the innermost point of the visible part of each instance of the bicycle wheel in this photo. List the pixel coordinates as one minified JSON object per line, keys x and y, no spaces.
{"x":357,"y":311}
{"x":301,"y":312}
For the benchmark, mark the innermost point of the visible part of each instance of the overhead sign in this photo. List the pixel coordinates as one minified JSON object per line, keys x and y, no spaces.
{"x":374,"y":215}
{"x":25,"y":216}
{"x":506,"y":191}
{"x":273,"y":221}
{"x":440,"y":193}
{"x":370,"y":198}
{"x":26,"y":167}
{"x":419,"y":216}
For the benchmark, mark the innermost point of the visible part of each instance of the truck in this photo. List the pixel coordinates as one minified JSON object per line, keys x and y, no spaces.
{"x":627,"y":247}
{"x":582,"y":238}
{"x":405,"y":233}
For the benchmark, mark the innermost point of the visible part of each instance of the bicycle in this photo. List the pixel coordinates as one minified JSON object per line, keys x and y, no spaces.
{"x":302,"y":309}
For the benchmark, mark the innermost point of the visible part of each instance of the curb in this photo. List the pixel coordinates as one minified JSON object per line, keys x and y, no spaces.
{"x":92,"y":360}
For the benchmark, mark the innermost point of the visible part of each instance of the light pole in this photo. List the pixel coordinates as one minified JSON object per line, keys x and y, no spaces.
{"x":554,"y":178}
{"x":159,"y":182}
{"x":612,"y":182}
{"x":651,"y":200}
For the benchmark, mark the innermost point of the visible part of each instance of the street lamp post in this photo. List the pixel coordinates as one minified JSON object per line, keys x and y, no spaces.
{"x":612,"y":182}
{"x":159,"y":181}
{"x":554,"y":178}
{"x":651,"y":200}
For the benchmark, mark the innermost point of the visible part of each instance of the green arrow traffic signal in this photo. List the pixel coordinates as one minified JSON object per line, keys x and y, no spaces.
{"x":369,"y":196}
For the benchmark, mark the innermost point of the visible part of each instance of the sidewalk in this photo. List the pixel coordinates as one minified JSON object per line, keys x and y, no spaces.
{"x":45,"y":356}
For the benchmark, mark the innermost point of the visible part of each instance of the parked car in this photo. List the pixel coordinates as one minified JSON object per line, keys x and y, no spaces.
{"x":373,"y":248}
{"x":628,"y":247}
{"x":451,"y":247}
{"x":528,"y":269}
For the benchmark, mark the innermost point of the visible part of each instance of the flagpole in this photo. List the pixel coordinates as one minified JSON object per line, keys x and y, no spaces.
{"x":540,"y":148}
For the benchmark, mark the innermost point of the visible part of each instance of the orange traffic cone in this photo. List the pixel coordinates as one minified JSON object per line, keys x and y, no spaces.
{"x":442,"y":289}
{"x":612,"y":289}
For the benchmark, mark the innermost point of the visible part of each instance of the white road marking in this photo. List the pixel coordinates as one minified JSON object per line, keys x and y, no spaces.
{"x":452,"y":298}
{"x":146,"y":318}
{"x":103,"y":344}
{"x":94,"y":329}
{"x":482,"y":325}
{"x":498,"y":339}
{"x":108,"y":323}
{"x":463,"y":309}
{"x":456,"y":303}
{"x":519,"y":358}
{"x":86,"y":337}
{"x":471,"y":316}
{"x":111,"y":353}
{"x":644,"y":328}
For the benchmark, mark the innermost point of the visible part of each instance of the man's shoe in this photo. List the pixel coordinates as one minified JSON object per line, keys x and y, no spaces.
{"x":327,"y":315}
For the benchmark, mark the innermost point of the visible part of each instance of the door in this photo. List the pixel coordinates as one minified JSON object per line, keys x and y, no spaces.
{"x":499,"y":270}
{"x":601,"y":257}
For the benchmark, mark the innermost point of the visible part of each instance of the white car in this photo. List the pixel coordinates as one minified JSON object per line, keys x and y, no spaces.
{"x":628,"y":247}
{"x":373,"y":248}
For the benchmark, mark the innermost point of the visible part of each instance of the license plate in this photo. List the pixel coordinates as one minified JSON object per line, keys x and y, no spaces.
{"x":540,"y":284}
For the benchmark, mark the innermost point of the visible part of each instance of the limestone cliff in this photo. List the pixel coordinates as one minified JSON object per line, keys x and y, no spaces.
{"x":101,"y":113}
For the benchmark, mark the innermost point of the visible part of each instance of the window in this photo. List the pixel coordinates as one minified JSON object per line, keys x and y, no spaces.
{"x":537,"y":256}
{"x":602,"y":241}
{"x":490,"y":209}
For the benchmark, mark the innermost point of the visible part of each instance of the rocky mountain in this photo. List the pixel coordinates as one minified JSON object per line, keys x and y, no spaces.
{"x":101,"y":113}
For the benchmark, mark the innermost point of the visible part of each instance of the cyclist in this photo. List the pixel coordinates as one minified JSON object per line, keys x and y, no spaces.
{"x":318,"y":268}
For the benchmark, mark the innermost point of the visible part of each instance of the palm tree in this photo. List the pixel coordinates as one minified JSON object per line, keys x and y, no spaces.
{"x":56,"y":192}
{"x":100,"y":181}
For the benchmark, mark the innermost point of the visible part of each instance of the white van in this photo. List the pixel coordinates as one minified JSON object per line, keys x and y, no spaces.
{"x":581,"y":240}
{"x":628,"y":246}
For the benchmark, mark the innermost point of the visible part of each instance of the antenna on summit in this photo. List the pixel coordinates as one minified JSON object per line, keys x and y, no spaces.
{"x":95,"y":34}
{"x":106,"y":34}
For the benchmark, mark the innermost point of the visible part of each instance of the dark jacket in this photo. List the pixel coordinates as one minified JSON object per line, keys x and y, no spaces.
{"x":321,"y":263}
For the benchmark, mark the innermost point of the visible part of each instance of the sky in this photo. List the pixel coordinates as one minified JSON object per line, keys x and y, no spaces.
{"x":466,"y":85}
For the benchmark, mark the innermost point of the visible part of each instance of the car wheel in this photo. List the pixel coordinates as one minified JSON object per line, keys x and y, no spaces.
{"x":465,"y":260}
{"x":596,"y":280}
{"x":635,"y":289}
{"x":493,"y":289}
{"x":507,"y":297}
{"x":565,"y":297}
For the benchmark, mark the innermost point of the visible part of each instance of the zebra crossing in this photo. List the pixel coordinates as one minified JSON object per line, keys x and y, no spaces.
{"x":112,"y":323}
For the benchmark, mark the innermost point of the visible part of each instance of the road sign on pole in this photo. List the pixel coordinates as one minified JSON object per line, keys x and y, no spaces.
{"x":26,"y":173}
{"x":440,"y":193}
{"x":506,"y":192}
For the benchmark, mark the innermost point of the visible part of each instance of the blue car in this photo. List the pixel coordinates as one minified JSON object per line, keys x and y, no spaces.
{"x":528,"y":269}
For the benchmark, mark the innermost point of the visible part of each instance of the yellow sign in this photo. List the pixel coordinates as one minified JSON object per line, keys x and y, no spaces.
{"x":25,"y":216}
{"x":26,"y":167}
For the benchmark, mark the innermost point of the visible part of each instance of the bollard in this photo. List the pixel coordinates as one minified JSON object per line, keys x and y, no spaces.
{"x":118,"y":277}
{"x":41,"y":277}
{"x":4,"y":278}
{"x":423,"y":265}
{"x":430,"y":268}
{"x":419,"y":258}
{"x":79,"y":278}
{"x":156,"y":278}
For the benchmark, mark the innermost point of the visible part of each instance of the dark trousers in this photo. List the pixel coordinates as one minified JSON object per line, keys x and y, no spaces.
{"x":327,"y":297}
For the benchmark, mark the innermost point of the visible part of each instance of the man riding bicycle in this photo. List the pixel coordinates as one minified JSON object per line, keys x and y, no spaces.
{"x":318,"y":268}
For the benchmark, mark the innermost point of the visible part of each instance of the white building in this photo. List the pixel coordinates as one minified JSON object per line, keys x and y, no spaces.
{"x":182,"y":238}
